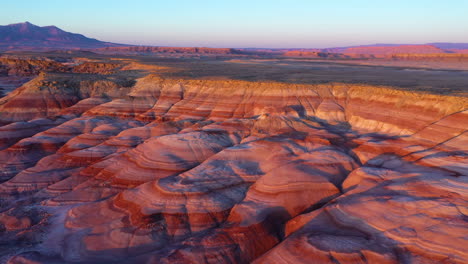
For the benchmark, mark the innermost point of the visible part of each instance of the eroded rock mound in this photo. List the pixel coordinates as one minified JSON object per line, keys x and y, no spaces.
{"x":197,"y":171}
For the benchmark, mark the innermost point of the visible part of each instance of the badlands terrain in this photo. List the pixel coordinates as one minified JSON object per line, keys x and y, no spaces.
{"x":117,"y":157}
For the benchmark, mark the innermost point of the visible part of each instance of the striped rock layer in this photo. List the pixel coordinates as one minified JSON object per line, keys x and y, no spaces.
{"x":198,"y":171}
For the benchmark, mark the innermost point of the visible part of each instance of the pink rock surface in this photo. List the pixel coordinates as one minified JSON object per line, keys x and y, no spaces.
{"x":196,"y":171}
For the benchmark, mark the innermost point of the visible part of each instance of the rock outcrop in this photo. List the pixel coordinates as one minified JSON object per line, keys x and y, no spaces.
{"x":200,"y":171}
{"x":11,"y":65}
{"x":396,"y":49}
{"x":168,"y":50}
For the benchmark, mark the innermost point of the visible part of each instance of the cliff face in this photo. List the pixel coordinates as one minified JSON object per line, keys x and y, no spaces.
{"x":178,"y":171}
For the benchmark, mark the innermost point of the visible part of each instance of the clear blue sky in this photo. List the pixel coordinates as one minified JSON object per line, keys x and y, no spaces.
{"x":249,"y":23}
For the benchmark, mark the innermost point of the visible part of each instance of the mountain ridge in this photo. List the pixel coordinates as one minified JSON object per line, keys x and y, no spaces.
{"x":27,"y":36}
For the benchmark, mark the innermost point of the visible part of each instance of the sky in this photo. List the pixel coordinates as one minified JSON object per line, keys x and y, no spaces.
{"x":249,"y":23}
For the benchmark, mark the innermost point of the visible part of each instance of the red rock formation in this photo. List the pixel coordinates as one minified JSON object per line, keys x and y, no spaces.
{"x":458,"y":57}
{"x":96,"y":67}
{"x":181,"y":171}
{"x":390,"y":214}
{"x":461,"y":51}
{"x":11,"y":65}
{"x":168,"y":50}
{"x":387,"y":50}
{"x":313,"y":54}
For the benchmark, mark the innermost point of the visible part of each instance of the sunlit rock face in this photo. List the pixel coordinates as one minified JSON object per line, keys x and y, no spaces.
{"x":196,"y":171}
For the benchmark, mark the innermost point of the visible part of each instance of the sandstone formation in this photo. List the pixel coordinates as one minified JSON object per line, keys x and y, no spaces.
{"x":12,"y":65}
{"x":387,"y":50}
{"x":169,"y":50}
{"x":100,"y":169}
{"x":369,"y":51}
{"x":435,"y":57}
{"x":312,"y":54}
{"x":457,"y":57}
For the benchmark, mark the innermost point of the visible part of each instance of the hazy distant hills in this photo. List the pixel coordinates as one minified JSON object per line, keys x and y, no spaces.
{"x":447,"y":45}
{"x":26,"y":36}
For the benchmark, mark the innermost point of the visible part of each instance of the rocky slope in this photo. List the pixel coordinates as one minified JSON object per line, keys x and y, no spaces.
{"x":200,"y":171}
{"x":17,"y":66}
{"x":17,"y":70}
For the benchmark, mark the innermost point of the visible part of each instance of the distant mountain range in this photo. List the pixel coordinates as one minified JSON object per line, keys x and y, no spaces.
{"x":26,"y":36}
